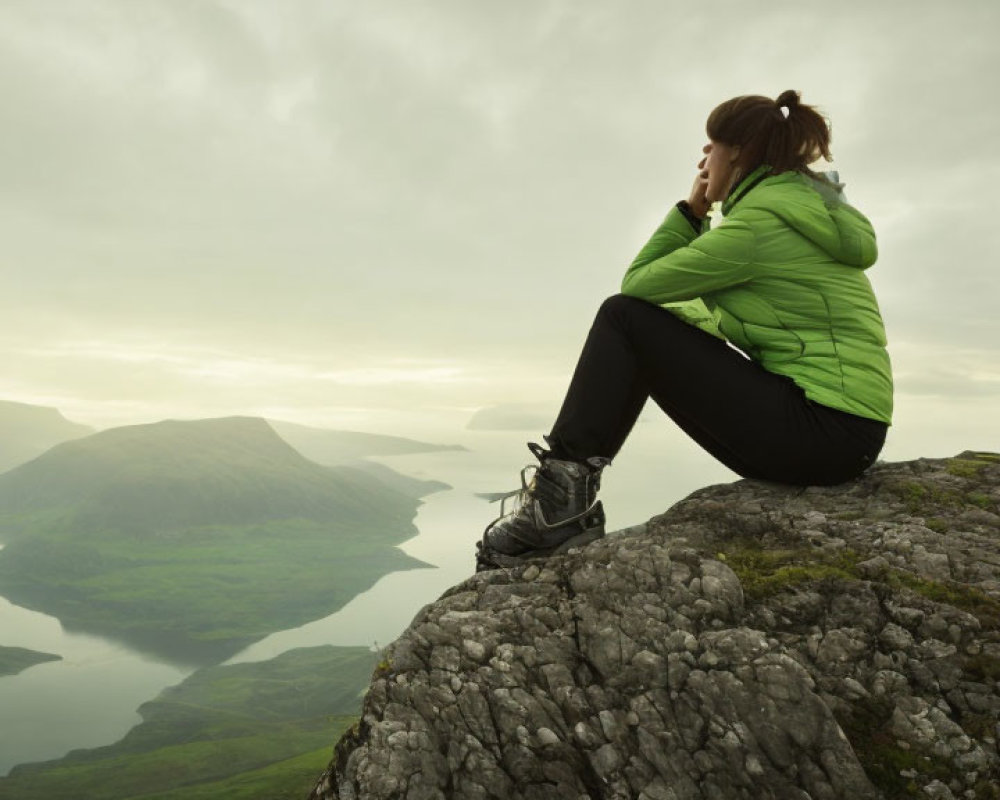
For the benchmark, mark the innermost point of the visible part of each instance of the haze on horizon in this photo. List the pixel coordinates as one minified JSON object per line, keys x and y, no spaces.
{"x":386,"y":216}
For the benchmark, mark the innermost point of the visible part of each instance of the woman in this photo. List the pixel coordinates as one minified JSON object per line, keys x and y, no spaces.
{"x":804,"y":395}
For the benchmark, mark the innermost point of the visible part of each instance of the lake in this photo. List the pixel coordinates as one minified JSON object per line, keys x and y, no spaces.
{"x":90,"y":697}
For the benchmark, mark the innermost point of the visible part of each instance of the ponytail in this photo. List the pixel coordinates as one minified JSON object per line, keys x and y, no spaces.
{"x":782,"y":133}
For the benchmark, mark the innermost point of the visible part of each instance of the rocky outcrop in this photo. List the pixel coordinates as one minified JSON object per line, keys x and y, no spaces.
{"x":756,"y":641}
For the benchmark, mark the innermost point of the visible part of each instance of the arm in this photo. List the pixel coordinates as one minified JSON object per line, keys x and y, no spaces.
{"x":675,"y":231}
{"x":677,"y":264}
{"x":672,"y":234}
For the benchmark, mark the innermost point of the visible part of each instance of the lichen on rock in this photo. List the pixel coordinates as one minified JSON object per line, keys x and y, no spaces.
{"x":755,"y":641}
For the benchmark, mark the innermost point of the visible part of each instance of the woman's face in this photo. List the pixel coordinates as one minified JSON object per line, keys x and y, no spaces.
{"x":719,"y":169}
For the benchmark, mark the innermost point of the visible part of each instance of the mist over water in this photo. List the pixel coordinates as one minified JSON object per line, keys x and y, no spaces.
{"x":644,"y":481}
{"x":89,"y":698}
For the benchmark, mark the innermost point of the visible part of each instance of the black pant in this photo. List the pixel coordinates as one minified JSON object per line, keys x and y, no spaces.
{"x":757,"y":423}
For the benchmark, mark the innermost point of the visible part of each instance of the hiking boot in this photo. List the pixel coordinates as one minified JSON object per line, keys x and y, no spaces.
{"x":557,"y":510}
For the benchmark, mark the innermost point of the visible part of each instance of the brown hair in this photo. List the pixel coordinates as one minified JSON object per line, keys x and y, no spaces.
{"x":766,"y":136}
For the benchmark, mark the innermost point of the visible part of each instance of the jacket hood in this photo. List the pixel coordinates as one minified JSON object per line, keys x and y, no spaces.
{"x":813,"y":207}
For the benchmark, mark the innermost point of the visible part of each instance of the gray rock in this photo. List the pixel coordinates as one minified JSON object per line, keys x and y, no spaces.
{"x":756,"y":641}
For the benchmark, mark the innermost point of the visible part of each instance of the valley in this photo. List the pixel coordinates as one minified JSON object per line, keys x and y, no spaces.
{"x":247,"y":730}
{"x":189,"y":540}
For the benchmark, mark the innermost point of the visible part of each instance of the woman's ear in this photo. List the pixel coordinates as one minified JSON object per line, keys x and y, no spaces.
{"x":736,"y":154}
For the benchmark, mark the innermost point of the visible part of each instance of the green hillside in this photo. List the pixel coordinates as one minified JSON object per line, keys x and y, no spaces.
{"x":17,"y":659}
{"x":27,"y":431}
{"x":145,"y":478}
{"x":192,"y":539}
{"x":242,"y":731}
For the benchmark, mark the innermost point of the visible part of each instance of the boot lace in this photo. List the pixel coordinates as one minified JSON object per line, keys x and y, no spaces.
{"x":541,"y":488}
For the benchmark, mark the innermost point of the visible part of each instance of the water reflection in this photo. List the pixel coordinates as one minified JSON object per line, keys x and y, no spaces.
{"x":90,"y":697}
{"x":87,"y":698}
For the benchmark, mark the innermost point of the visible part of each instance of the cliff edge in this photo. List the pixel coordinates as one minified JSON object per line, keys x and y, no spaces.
{"x":756,"y":641}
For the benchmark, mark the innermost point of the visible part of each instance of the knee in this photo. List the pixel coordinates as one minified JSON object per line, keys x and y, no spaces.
{"x":619,"y":302}
{"x":619,"y":306}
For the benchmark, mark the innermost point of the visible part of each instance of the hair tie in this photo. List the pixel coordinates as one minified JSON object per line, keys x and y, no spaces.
{"x":784,"y":111}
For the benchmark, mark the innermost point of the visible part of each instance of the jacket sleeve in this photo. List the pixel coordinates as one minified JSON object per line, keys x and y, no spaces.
{"x":677,"y":264}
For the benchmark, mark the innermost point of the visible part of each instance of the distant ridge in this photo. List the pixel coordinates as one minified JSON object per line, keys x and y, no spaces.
{"x":27,"y":431}
{"x":512,"y":417}
{"x":327,"y":446}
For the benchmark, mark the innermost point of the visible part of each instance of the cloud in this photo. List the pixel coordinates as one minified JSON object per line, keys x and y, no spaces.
{"x":445,"y":183}
{"x":943,"y":383}
{"x":936,"y":369}
{"x":242,"y":370}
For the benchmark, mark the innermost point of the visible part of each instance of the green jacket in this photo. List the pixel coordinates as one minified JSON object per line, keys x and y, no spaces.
{"x":782,"y":278}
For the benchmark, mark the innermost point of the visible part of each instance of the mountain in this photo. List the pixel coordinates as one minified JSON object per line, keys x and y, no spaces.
{"x":343,"y":447}
{"x":27,"y":431}
{"x":173,"y":474}
{"x":755,"y":641}
{"x":191,"y":539}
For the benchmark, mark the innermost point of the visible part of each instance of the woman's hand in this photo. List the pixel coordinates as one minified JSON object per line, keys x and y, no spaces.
{"x":698,"y":201}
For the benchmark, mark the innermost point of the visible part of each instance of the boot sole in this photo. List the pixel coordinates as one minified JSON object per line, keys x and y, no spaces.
{"x":581,"y":539}
{"x":499,"y":560}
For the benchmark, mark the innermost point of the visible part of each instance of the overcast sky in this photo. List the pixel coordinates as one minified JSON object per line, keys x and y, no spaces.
{"x":379,"y":214}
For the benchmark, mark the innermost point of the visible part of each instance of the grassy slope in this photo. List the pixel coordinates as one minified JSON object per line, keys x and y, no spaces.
{"x":15,"y":659}
{"x":291,"y":779}
{"x":248,"y":730}
{"x":233,"y":583}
